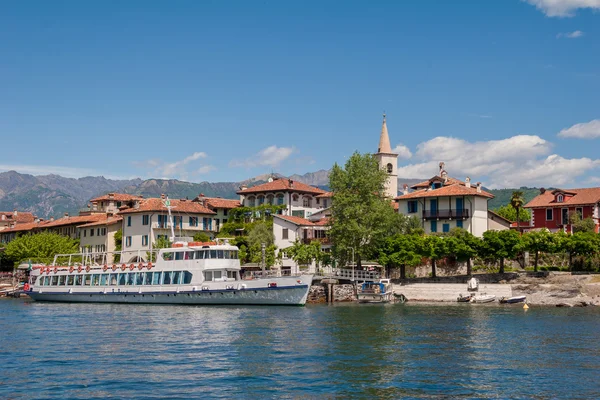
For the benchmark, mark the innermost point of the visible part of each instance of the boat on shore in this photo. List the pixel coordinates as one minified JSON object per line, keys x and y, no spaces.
{"x":483,"y":298}
{"x":375,"y":292}
{"x":187,"y":273}
{"x":464,"y":299}
{"x":512,"y":300}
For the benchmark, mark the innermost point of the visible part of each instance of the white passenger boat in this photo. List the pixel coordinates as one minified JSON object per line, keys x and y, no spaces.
{"x":375,"y":292}
{"x":188,"y":273}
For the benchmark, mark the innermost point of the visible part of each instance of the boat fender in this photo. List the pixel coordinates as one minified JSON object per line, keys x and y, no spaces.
{"x":272,"y":284}
{"x":26,"y":287}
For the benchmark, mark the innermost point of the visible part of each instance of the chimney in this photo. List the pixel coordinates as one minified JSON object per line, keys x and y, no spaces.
{"x":467,"y":182}
{"x":111,"y":196}
{"x":15,"y":212}
{"x":405,"y":189}
{"x":478,"y":187}
{"x":445,"y":176}
{"x":66,"y":215}
{"x":291,"y":183}
{"x":51,"y":219}
{"x":442,"y":166}
{"x":36,"y":220}
{"x":3,"y":217}
{"x":136,"y":205}
{"x":162,"y":196}
{"x":542,"y":190}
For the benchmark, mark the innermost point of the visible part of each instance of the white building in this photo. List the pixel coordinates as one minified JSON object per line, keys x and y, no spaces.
{"x":99,"y":236}
{"x":443,"y":203}
{"x":302,"y":200}
{"x":220,"y":206}
{"x":148,"y":220}
{"x":388,"y":161}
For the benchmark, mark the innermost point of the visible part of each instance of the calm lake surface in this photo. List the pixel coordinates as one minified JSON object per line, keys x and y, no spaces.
{"x":87,"y":351}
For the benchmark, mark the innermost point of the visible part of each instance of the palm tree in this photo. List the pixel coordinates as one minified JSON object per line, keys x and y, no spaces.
{"x":516,"y":202}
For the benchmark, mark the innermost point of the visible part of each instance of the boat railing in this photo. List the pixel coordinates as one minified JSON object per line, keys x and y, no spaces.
{"x":104,"y":258}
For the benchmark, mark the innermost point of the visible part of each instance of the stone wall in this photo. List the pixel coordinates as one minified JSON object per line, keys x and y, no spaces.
{"x":341,"y":293}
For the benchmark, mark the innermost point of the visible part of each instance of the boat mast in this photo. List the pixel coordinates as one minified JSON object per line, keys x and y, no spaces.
{"x":167,"y":204}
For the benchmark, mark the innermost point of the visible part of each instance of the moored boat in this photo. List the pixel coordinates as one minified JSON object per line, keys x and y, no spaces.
{"x":464,"y":299}
{"x":187,"y":273}
{"x":375,"y":292}
{"x":483,"y":298}
{"x":514,"y":299}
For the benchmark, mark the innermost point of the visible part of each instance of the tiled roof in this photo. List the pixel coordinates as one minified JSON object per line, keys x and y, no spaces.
{"x":427,"y":183}
{"x":107,"y":221}
{"x":581,"y":197}
{"x":303,"y":221}
{"x":22,"y":217}
{"x":177,"y":206}
{"x":217,"y":202}
{"x":116,"y":197}
{"x":77,"y":219}
{"x":495,"y":214}
{"x":27,"y":226}
{"x":451,"y":190}
{"x":325,"y":195}
{"x":283,"y":185}
{"x":321,"y":222}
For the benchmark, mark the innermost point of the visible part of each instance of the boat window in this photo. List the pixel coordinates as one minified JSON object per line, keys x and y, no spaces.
{"x":156,"y":278}
{"x":122,"y":279}
{"x":167,"y":278}
{"x":140,"y":278}
{"x":232,"y":274}
{"x":95,"y":279}
{"x":208,"y":275}
{"x":179,"y":255}
{"x":217,"y":275}
{"x":103,"y":279}
{"x":70,"y":280}
{"x":43,"y":281}
{"x":220,"y":254}
{"x":167,"y":256}
{"x":187,"y":277}
{"x":78,"y":280}
{"x":200,"y":255}
{"x":148,"y":278}
{"x":54,"y":280}
{"x":113,"y":279}
{"x":176,"y":276}
{"x":61,"y":280}
{"x":87,"y":279}
{"x":189,"y":255}
{"x":227,"y":254}
{"x":131,"y":278}
{"x":213,"y":254}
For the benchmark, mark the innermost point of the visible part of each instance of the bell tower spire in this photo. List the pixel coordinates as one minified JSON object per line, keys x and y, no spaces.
{"x":388,"y":161}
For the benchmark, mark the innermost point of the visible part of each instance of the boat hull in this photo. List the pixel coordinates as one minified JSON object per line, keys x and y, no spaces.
{"x":487,"y":299}
{"x":374,"y":297}
{"x":291,"y":295}
{"x":513,"y":300}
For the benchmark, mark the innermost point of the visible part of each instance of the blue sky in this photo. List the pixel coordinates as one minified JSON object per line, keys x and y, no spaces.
{"x":226,"y":90}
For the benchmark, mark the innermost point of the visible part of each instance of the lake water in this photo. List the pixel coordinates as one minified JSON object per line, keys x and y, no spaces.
{"x":84,"y":351}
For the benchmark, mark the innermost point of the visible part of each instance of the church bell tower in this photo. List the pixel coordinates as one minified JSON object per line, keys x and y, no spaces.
{"x":388,"y":161}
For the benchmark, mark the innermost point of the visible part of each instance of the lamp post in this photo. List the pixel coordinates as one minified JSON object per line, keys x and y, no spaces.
{"x":352,"y":248}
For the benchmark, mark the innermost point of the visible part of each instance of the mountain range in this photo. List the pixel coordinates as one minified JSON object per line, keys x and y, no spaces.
{"x":53,"y":195}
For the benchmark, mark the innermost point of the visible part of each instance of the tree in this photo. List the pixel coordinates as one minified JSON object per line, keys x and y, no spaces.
{"x":498,"y":245}
{"x":434,"y":247}
{"x":401,"y":251}
{"x":161,"y":243}
{"x":259,"y":235}
{"x":516,"y":202}
{"x":361,"y":215}
{"x":41,"y":247}
{"x":582,"y":225}
{"x":510,"y":213}
{"x":536,"y":242}
{"x":464,"y":246}
{"x":578,"y":244}
{"x":201,"y":237}
{"x":304,"y":254}
{"x":118,"y":245}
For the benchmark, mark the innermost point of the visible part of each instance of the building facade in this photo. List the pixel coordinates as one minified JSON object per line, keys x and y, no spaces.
{"x":388,"y":161}
{"x":220,"y":206}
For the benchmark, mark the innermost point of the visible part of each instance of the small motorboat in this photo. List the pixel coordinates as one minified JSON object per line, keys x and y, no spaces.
{"x":514,"y":299}
{"x":375,"y":292}
{"x":464,"y":299}
{"x":483,"y":298}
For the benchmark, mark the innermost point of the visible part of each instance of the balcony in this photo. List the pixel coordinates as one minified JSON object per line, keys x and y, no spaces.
{"x":446,"y":214}
{"x":323,"y":241}
{"x":159,"y":225}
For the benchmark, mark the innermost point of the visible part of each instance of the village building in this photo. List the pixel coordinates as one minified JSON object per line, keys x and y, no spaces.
{"x":388,"y":161}
{"x":442,"y":203}
{"x":9,"y":234}
{"x":555,"y":209}
{"x":9,"y":219}
{"x":99,"y":236}
{"x":110,"y":203}
{"x":301,"y":200}
{"x":220,"y":206}
{"x":148,"y":220}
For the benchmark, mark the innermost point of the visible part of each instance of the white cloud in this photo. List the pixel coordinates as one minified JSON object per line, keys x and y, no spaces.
{"x":271,"y":156}
{"x":403,"y":152}
{"x":170,"y":169}
{"x":563,"y":8}
{"x":205,"y":169}
{"x":513,"y":162}
{"x":178,"y":169}
{"x":584,"y":130}
{"x":570,"y":35}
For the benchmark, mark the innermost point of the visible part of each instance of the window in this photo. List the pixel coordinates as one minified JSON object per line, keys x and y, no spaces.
{"x":413,"y":206}
{"x":208,"y":275}
{"x":119,"y":204}
{"x":279,"y":199}
{"x":193,"y":221}
{"x":579,"y":211}
{"x":559,"y":198}
{"x":200,"y":254}
{"x":129,"y":220}
{"x":324,"y":203}
{"x":207,"y":222}
{"x":148,"y":278}
{"x":98,"y":232}
{"x":92,"y":232}
{"x":217,"y":224}
{"x":145,"y":219}
{"x":103,"y":231}
{"x":145,"y":240}
{"x":459,"y":224}
{"x":565,"y":216}
{"x":251,"y":201}
{"x":84,"y":232}
{"x":307,"y":201}
{"x":446,"y":228}
{"x":156,"y":279}
{"x":187,"y":278}
{"x":433,"y":226}
{"x":436,"y":185}
{"x":261,"y":200}
{"x":390,"y":168}
{"x":162,"y":221}
{"x":225,"y":211}
{"x":284,"y":234}
{"x":549,"y":214}
{"x":128,"y":241}
{"x":270,"y":199}
{"x":167,"y":278}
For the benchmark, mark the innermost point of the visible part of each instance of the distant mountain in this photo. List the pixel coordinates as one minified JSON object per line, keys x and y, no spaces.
{"x":502,"y":196}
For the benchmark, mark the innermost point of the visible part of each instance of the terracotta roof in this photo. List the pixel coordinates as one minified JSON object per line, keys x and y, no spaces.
{"x":177,"y":207}
{"x":77,"y":219}
{"x":217,"y":202}
{"x":451,"y":190}
{"x":325,"y":195}
{"x":116,"y":197}
{"x":22,"y":217}
{"x":321,"y":222}
{"x":283,"y":185}
{"x":522,"y":224}
{"x":581,"y":197}
{"x":27,"y":226}
{"x":495,"y":214}
{"x":107,"y":221}
{"x":303,"y":221}
{"x":427,"y":183}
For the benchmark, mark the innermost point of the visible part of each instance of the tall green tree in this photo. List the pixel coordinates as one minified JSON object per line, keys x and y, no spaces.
{"x":582,"y":224}
{"x":536,"y":242}
{"x":464,"y":246}
{"x":201,"y":237}
{"x":517,"y":202}
{"x":259,"y":235}
{"x":361,"y":216}
{"x":510,"y":213}
{"x":434,"y":247}
{"x":401,"y":251}
{"x":41,"y":247}
{"x":578,"y":244}
{"x":304,"y":254}
{"x":499,"y":245}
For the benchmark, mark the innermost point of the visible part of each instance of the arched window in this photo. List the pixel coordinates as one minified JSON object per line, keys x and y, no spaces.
{"x":270,"y":199}
{"x":261,"y":200}
{"x":251,"y":201}
{"x":559,"y":198}
{"x":280,"y":199}
{"x":307,"y":201}
{"x":390,"y":168}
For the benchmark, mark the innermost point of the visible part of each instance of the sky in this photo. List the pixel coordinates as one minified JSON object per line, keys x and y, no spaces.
{"x":504,"y":91}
